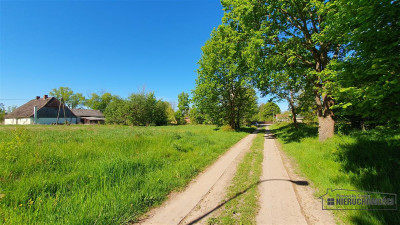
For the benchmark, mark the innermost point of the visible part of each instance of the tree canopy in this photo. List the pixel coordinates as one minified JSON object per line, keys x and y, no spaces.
{"x":339,"y":53}
{"x":68,"y":97}
{"x":222,"y":91}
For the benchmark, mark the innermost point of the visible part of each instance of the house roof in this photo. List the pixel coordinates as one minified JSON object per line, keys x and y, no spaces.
{"x":26,"y":110}
{"x":87,"y":113}
{"x":281,"y":116}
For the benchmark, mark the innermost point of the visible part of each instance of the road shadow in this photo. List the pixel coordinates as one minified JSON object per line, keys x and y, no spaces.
{"x":297,"y":182}
{"x":289,"y":133}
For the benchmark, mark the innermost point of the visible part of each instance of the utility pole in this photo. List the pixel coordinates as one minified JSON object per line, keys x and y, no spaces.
{"x":273,"y":117}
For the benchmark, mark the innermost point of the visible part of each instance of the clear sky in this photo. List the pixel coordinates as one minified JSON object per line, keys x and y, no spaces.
{"x":95,"y":46}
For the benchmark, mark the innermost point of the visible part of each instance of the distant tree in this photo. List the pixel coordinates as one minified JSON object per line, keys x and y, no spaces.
{"x":99,"y":102}
{"x":11,"y":108}
{"x":67,"y":96}
{"x":268,"y":110}
{"x":161,"y":113}
{"x":170,"y":113}
{"x":196,"y":116}
{"x":183,"y":108}
{"x":140,"y":109}
{"x":117,"y":112}
{"x":76,"y":100}
{"x":2,"y":112}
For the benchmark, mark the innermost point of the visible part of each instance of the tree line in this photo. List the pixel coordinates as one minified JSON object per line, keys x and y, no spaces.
{"x":338,"y":60}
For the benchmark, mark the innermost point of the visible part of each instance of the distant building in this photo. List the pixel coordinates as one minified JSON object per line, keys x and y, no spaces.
{"x":41,"y":111}
{"x":89,"y":116}
{"x":282,"y":118}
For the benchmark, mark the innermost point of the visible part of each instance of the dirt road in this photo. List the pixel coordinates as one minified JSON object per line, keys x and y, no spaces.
{"x":204,"y":194}
{"x":286,"y":198}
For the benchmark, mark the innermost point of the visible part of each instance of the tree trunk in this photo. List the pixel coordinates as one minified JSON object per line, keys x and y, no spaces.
{"x":293,"y":109}
{"x":294,"y":116}
{"x":326,"y":128}
{"x":326,"y":122}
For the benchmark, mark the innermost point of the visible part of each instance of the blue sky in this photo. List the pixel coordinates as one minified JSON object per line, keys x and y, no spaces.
{"x":94,"y":46}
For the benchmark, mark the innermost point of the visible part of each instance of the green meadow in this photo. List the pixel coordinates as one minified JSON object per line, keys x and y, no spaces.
{"x":99,"y":174}
{"x":357,"y":160}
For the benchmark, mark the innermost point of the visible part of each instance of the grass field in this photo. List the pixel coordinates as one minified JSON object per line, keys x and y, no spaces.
{"x":242,"y":204}
{"x":367,"y":161}
{"x":99,"y":174}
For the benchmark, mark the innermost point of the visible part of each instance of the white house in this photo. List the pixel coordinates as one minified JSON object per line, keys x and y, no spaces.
{"x":41,"y":111}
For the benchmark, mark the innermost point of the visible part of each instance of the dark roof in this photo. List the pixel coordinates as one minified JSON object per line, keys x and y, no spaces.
{"x":87,"y":113}
{"x":26,"y":110}
{"x":45,"y":107}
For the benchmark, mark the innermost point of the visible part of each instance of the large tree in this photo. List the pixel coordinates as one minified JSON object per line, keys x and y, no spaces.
{"x":67,"y":96}
{"x":222,"y":91}
{"x":296,"y":32}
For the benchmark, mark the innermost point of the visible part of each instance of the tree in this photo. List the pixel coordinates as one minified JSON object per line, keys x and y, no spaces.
{"x":370,"y":76}
{"x":140,"y":109}
{"x":267,"y":111}
{"x":170,"y":113}
{"x":76,"y":100}
{"x":11,"y":108}
{"x":183,"y":108}
{"x":67,"y":96}
{"x":196,"y":116}
{"x":222,"y":91}
{"x":2,"y":112}
{"x":282,"y":32}
{"x":99,"y":102}
{"x":117,"y":112}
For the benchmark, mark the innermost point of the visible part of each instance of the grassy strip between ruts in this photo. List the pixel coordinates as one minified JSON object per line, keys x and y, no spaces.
{"x":99,"y":174}
{"x":362,"y":160}
{"x":242,"y":204}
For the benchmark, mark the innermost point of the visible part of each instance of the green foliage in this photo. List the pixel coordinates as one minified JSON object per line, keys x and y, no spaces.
{"x":98,"y":102}
{"x":362,"y":160}
{"x":183,"y":108}
{"x":140,"y":109}
{"x":196,"y":116}
{"x":370,"y":75}
{"x":104,"y":174}
{"x":222,"y":91}
{"x":2,"y":112}
{"x":267,"y":111}
{"x":68,"y":97}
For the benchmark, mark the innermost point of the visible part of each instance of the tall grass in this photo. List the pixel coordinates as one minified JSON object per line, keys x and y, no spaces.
{"x":98,"y":174}
{"x":361,"y":160}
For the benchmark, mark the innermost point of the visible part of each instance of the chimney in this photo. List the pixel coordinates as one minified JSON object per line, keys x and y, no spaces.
{"x":37,"y":97}
{"x":45,"y":97}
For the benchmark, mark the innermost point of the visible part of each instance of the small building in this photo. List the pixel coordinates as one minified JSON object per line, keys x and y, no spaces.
{"x":89,"y":116}
{"x":282,"y":118}
{"x":46,"y":110}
